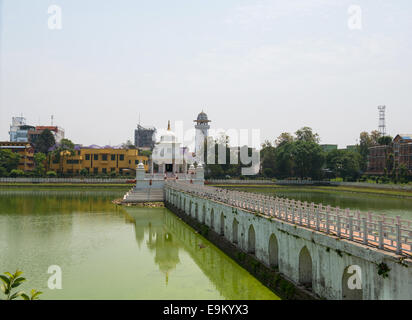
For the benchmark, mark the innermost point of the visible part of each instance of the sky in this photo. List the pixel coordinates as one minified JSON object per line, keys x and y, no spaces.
{"x":270,"y":65}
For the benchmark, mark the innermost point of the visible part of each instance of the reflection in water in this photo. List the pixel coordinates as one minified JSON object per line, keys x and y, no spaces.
{"x":168,"y":235}
{"x":111,"y":252}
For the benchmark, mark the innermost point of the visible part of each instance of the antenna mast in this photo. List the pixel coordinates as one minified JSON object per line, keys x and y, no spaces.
{"x":382,"y":125}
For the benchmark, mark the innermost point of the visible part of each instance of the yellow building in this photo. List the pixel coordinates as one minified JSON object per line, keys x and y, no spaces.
{"x":25,"y":150}
{"x":98,"y":160}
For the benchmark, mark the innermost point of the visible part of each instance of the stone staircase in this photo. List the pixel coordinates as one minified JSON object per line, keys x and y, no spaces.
{"x":144,"y":195}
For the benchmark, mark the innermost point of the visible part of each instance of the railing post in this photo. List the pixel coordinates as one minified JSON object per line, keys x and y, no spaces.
{"x":317,"y":220}
{"x":300,"y":215}
{"x":350,"y":228}
{"x":398,"y":239}
{"x":365,"y":230}
{"x":327,"y":219}
{"x":380,"y":225}
{"x":286,"y":212}
{"x":338,"y":224}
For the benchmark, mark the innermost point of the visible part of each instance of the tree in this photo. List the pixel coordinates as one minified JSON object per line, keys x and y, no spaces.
{"x":375,"y":135}
{"x":217,"y":170}
{"x":268,"y":159}
{"x":308,"y":158}
{"x":385,"y":140}
{"x":284,"y":137}
{"x":9,"y":160}
{"x":39,"y":160}
{"x":344,"y":164}
{"x":284,"y":162}
{"x":366,"y":141}
{"x":403,"y":173}
{"x":145,"y":153}
{"x":64,"y":149}
{"x":44,"y":142}
{"x":16,"y":173}
{"x":128,"y":145}
{"x":306,"y":134}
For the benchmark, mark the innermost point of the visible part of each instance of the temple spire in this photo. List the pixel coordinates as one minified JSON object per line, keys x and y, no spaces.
{"x":168,"y":125}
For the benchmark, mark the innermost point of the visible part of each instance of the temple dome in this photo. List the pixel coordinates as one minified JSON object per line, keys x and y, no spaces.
{"x":202,"y":116}
{"x":168,"y":136}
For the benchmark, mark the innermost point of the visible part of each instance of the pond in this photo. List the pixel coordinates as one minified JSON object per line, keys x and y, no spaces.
{"x":112,"y":252}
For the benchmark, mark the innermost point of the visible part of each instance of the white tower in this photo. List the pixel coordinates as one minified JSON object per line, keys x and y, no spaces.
{"x":202,"y":132}
{"x":382,"y":125}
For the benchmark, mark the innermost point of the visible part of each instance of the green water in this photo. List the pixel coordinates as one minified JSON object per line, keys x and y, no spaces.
{"x":375,"y":203}
{"x":111,"y":252}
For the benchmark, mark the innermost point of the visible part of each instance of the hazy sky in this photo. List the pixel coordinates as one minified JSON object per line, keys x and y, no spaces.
{"x":269,"y":65}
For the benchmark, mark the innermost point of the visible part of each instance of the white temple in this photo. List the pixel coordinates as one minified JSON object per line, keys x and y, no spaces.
{"x":169,"y":157}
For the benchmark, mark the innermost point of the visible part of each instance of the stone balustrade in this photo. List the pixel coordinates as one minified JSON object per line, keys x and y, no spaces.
{"x":383,"y":232}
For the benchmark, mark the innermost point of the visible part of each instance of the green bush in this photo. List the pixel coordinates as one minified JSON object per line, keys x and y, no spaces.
{"x":3,"y":172}
{"x":16,"y":173}
{"x":51,"y":174}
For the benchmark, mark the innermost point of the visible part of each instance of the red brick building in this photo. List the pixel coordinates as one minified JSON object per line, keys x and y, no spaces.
{"x":401,"y":148}
{"x":377,"y":159}
{"x":402,"y":151}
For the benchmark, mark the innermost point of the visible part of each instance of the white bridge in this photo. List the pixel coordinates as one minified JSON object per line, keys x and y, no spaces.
{"x":317,"y":246}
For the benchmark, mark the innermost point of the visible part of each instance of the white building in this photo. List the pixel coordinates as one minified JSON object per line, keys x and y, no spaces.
{"x":19,"y":130}
{"x":169,"y":156}
{"x":202,"y":132}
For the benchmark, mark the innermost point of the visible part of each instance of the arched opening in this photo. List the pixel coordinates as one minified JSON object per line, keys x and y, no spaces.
{"x":190,"y":208}
{"x":352,"y":283}
{"x":204,"y":214}
{"x":251,"y":240}
{"x":222,"y":224}
{"x":184,"y":204}
{"x":305,"y":268}
{"x":212,"y":219}
{"x":235,"y":231}
{"x":196,"y":211}
{"x":273,"y":251}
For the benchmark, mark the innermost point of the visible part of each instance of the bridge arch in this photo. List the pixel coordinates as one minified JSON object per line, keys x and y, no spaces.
{"x":351,"y":281}
{"x":222,"y":224}
{"x":305,"y":268}
{"x":235,"y":231}
{"x":212,"y":219}
{"x":251,"y":242}
{"x":273,"y":251}
{"x":190,"y":208}
{"x":184,"y":204}
{"x":197,"y":211}
{"x":204,"y":214}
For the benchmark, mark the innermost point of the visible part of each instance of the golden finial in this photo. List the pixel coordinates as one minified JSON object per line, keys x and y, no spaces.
{"x":168,"y":125}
